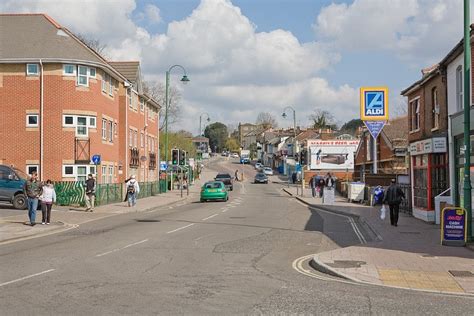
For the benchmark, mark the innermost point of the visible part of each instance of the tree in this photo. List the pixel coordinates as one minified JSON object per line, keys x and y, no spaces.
{"x":156,"y":90}
{"x":94,"y":44}
{"x":217,"y":134}
{"x":266,"y":120}
{"x":232,"y":144}
{"x":253,"y":150}
{"x":322,"y":120}
{"x":177,"y":140}
{"x":352,"y":126}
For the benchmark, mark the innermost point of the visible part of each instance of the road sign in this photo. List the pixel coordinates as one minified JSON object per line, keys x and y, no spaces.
{"x":96,"y":159}
{"x":374,"y":127}
{"x":374,"y":104}
{"x":163,"y":166}
{"x":453,"y":226}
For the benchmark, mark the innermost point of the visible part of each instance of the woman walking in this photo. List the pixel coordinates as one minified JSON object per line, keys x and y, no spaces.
{"x":47,"y":199}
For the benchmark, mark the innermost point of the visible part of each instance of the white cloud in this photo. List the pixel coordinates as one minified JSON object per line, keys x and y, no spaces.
{"x":417,"y":31}
{"x":153,"y":14}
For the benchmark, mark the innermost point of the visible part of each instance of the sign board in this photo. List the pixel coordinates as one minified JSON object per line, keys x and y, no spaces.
{"x":163,"y":166}
{"x":427,"y":146}
{"x":374,"y":127}
{"x":374,"y":104}
{"x":328,"y":196}
{"x":332,"y":154}
{"x":453,"y":226}
{"x":96,"y":159}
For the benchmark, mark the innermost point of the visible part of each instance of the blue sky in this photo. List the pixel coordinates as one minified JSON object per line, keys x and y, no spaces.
{"x":248,"y":56}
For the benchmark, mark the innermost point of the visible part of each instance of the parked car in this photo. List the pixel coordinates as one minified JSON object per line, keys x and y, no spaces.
{"x":235,"y":155}
{"x":268,"y":171}
{"x":12,"y":181}
{"x":258,"y":165}
{"x":261,"y":178}
{"x":214,"y":190}
{"x":227,"y":179}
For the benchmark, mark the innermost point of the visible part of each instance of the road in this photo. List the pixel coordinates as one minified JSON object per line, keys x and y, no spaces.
{"x":238,"y":257}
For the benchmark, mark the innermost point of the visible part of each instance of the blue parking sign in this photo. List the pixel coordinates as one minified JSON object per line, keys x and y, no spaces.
{"x":374,"y":104}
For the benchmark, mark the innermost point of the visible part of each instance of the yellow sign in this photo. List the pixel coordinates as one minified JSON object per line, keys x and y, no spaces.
{"x":374,"y":104}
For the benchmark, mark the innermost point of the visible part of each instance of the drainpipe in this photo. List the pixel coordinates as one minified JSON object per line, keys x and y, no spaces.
{"x":41,"y":122}
{"x":127,"y":130}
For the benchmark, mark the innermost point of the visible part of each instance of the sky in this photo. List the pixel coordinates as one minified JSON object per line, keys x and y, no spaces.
{"x":249,"y":56}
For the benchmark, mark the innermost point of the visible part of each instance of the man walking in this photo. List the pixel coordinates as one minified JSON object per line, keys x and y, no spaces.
{"x":393,"y":197}
{"x":90,"y":193}
{"x":313,"y":184}
{"x":132,"y":191}
{"x":32,"y":189}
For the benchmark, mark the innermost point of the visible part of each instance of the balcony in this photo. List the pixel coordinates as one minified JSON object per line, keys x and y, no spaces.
{"x":82,"y":151}
{"x":152,"y":163}
{"x":134,"y":158}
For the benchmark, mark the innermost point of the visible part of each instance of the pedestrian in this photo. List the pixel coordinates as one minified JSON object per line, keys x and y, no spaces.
{"x":378,"y":195}
{"x":236,"y":175}
{"x":47,"y":199}
{"x":321,"y":184}
{"x":393,"y":197}
{"x":32,"y":190}
{"x":313,"y":184}
{"x":329,"y":181}
{"x":90,"y":187}
{"x":293,"y":177}
{"x":132,"y":191}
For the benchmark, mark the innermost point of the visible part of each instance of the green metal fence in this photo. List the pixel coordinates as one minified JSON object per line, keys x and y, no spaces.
{"x":69,"y":193}
{"x":108,"y":193}
{"x":148,"y":189}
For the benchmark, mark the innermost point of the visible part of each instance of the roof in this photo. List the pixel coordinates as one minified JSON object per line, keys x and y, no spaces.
{"x":396,"y":130}
{"x":308,"y":134}
{"x":427,"y":73}
{"x":200,"y":139}
{"x":39,"y":36}
{"x":130,"y":69}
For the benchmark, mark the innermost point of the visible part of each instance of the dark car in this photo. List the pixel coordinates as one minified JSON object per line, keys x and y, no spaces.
{"x":12,"y":181}
{"x":227,"y":179}
{"x":261,"y":178}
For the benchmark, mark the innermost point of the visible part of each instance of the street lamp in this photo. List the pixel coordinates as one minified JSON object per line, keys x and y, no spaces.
{"x":294,"y":126}
{"x":184,"y":80}
{"x":200,"y":119}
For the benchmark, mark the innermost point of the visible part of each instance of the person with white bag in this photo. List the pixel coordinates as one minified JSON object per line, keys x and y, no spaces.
{"x":393,"y":198}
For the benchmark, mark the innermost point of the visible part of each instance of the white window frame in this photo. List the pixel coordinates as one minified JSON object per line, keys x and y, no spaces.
{"x":111,"y":173}
{"x":28,"y":73}
{"x":82,"y":126}
{"x":414,"y":106}
{"x":73,"y":121}
{"x":28,"y":120}
{"x":89,"y":72}
{"x":459,"y":89}
{"x":90,"y":169}
{"x":130,"y":104}
{"x":142,"y":104}
{"x":79,"y":75}
{"x":111,"y":86}
{"x":111,"y":131}
{"x":104,"y":129}
{"x":68,"y":175}
{"x":104,"y":82}
{"x":89,"y":122}
{"x":436,"y":108}
{"x":73,"y":70}
{"x":104,"y":174}
{"x":29,"y":171}
{"x":135,"y":139}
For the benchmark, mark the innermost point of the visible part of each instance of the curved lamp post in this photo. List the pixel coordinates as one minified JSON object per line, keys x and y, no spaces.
{"x":184,"y":80}
{"x":294,"y":126}
{"x":200,"y":120}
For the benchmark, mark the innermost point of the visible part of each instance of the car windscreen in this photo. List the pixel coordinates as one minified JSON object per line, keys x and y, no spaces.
{"x":223,"y":175}
{"x":213,"y":185}
{"x":21,"y":174}
{"x":261,"y":175}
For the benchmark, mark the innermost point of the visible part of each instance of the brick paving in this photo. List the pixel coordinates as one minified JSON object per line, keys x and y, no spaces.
{"x":407,"y":256}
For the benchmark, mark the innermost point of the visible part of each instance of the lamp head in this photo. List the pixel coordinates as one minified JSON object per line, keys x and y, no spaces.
{"x":208,"y":119}
{"x":284,"y":115}
{"x":185,"y":79}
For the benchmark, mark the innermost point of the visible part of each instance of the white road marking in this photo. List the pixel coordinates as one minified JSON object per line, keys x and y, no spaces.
{"x":118,"y":249}
{"x":209,"y":217}
{"x":170,"y":207}
{"x":26,"y":277}
{"x":177,"y":229}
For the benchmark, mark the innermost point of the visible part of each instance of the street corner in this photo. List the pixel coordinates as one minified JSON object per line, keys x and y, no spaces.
{"x":14,"y":230}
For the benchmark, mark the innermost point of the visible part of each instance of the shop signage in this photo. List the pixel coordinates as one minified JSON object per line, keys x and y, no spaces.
{"x":427,"y":146}
{"x":374,"y":104}
{"x":453,"y":226}
{"x":374,"y":127}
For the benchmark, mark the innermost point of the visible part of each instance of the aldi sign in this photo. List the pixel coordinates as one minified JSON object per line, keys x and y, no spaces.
{"x":374,"y":104}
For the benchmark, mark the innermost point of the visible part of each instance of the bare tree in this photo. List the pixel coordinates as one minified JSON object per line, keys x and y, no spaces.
{"x":94,"y":44}
{"x":157,"y":91}
{"x":401,"y":108}
{"x":322,"y":119}
{"x":266,"y":120}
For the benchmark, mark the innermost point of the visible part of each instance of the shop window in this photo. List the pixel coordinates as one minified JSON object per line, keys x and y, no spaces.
{"x":32,"y":120}
{"x":459,"y":89}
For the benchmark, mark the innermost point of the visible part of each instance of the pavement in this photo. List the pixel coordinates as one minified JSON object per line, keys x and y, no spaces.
{"x":409,"y":256}
{"x":14,"y":224}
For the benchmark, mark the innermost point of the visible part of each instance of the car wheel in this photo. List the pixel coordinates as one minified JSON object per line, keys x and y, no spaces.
{"x":232,"y":188}
{"x":19,"y":202}
{"x":227,"y":198}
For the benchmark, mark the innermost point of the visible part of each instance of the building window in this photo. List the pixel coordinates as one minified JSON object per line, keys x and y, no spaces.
{"x":111,"y":86}
{"x":68,"y":171}
{"x":111,"y":131}
{"x":415,"y":115}
{"x":435,"y":108}
{"x":142,"y":104}
{"x":130,"y":138}
{"x":130,"y":104}
{"x":78,"y":172}
{"x":142,"y":139}
{"x":135,"y":139}
{"x":459,"y":89}
{"x":92,"y":72}
{"x":105,"y":78}
{"x":104,"y":174}
{"x":81,"y":128}
{"x":92,"y":123}
{"x":68,"y":120}
{"x":32,"y":69}
{"x":82,"y":76}
{"x":32,"y":168}
{"x":104,"y":129}
{"x":69,"y":70}
{"x":32,"y":120}
{"x":111,"y":174}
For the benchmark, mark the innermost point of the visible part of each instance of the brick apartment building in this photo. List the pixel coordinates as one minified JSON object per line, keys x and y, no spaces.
{"x":61,"y":103}
{"x":428,"y":131}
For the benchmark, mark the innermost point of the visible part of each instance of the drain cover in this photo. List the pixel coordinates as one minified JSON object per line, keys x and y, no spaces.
{"x":461,"y":274}
{"x":346,"y":264}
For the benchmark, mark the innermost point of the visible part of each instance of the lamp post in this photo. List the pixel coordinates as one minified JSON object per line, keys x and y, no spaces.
{"x":294,"y":133}
{"x":467,"y":119}
{"x":184,"y":80}
{"x":200,"y":119}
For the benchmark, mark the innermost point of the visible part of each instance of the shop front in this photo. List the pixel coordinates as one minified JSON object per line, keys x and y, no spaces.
{"x":429,"y":175}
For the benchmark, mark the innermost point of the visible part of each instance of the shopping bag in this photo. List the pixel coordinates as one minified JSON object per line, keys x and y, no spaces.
{"x":382,"y":212}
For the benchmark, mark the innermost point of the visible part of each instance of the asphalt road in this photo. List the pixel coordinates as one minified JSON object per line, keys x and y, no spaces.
{"x":201,"y":259}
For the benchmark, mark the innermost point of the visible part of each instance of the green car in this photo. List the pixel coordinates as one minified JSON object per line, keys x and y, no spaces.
{"x":214,"y":190}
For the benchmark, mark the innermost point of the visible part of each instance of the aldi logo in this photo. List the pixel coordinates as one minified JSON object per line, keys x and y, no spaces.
{"x":374,"y":103}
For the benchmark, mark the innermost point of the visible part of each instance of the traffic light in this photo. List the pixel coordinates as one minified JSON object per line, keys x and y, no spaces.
{"x":182,"y":157}
{"x":174,"y":156}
